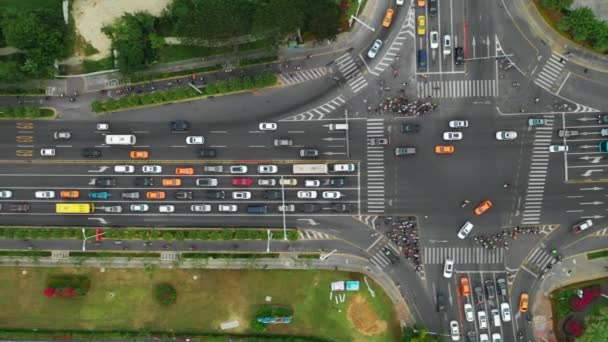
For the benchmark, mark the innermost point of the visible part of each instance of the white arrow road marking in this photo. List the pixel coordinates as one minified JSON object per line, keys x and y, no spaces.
{"x":100,"y":219}
{"x":332,"y":153}
{"x":101,"y":169}
{"x":333,"y":139}
{"x":585,"y":119}
{"x":310,"y":221}
{"x":588,"y":146}
{"x":591,"y":203}
{"x":595,"y":217}
{"x":589,"y":172}
{"x":592,"y":160}
{"x":595,"y":188}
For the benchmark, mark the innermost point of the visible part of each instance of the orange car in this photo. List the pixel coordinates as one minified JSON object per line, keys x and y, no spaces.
{"x":421,"y":3}
{"x":156,"y":195}
{"x":523,"y":302}
{"x":444,"y":149}
{"x":464,"y":286}
{"x":184,"y":170}
{"x":172,"y":182}
{"x":388,"y":17}
{"x":139,"y":155}
{"x":483,"y":207}
{"x":69,"y":194}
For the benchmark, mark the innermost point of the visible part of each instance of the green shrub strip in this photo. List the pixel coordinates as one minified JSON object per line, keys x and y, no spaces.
{"x":115,"y":254}
{"x":202,"y":255}
{"x":142,"y":77}
{"x":21,"y":91}
{"x":597,"y":255}
{"x":309,"y":256}
{"x":146,"y":234}
{"x":26,"y":253}
{"x":25,"y":112}
{"x":230,"y":85}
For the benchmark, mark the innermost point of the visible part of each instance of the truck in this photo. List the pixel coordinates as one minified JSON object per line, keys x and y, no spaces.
{"x":302,"y":169}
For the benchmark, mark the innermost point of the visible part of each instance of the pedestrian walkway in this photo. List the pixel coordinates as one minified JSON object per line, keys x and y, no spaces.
{"x":538,"y":259}
{"x":60,"y":255}
{"x":295,"y":77}
{"x":375,"y":168}
{"x":551,"y":77}
{"x":319,"y":112}
{"x":392,"y":52}
{"x":169,"y":256}
{"x":305,"y":234}
{"x":463,"y":255}
{"x":350,"y":72}
{"x":457,"y":88}
{"x":537,"y":175}
{"x":379,"y":258}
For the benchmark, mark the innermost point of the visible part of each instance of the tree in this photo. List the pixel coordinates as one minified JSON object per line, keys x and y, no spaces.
{"x":277,"y":18}
{"x":417,"y":334}
{"x":599,"y":40}
{"x":557,"y":5}
{"x":11,"y":72}
{"x":581,"y":23}
{"x":322,"y":19}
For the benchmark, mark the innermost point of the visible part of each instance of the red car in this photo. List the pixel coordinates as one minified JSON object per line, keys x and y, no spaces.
{"x":242,"y":181}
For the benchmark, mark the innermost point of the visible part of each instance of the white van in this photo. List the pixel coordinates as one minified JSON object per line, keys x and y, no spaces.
{"x":465,"y":230}
{"x":496,"y":318}
{"x":120,"y":139}
{"x":338,"y":127}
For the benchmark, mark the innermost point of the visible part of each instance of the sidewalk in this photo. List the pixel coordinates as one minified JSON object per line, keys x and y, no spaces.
{"x":580,"y":270}
{"x":288,"y":261}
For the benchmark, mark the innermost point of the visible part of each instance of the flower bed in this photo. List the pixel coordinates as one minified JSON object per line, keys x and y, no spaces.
{"x":589,"y":294}
{"x":67,"y":286}
{"x":573,"y":327}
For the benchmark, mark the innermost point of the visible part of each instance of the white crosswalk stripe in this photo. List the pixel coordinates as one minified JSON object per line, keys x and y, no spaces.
{"x":350,"y":71}
{"x":463,"y":255}
{"x":603,"y":232}
{"x":60,"y":255}
{"x":318,"y":113}
{"x":302,"y":76}
{"x":457,"y":88}
{"x":551,"y":73}
{"x":537,"y":175}
{"x":169,"y":256}
{"x":375,"y":168}
{"x":539,"y":258}
{"x":305,"y":234}
{"x":379,"y":258}
{"x":369,"y":221}
{"x":407,"y":29}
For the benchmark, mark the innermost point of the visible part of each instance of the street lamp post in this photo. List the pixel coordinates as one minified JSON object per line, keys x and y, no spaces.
{"x":85,"y":238}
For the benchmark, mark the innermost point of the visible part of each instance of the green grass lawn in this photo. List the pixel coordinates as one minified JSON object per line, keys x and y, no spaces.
{"x":30,"y":4}
{"x":122,"y":299}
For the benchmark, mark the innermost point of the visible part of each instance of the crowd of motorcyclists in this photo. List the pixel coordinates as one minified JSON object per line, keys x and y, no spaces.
{"x":403,"y":232}
{"x":500,"y":239}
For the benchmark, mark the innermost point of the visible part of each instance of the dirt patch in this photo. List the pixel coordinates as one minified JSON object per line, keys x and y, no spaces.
{"x":363,"y":318}
{"x":91,"y":15}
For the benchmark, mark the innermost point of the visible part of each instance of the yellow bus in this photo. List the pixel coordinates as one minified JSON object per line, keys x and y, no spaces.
{"x":74,"y":208}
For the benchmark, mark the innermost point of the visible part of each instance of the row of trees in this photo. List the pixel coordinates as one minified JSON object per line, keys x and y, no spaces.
{"x":581,"y":23}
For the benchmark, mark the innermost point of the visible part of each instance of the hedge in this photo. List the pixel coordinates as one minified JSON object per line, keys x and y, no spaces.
{"x":142,"y":77}
{"x":115,"y":254}
{"x":309,"y":256}
{"x":597,"y":255}
{"x":22,"y":91}
{"x":230,"y":85}
{"x":25,"y":112}
{"x":201,"y":255}
{"x":146,"y":234}
{"x":26,"y":253}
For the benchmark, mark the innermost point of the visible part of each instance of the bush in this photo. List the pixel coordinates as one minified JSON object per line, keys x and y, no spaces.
{"x":67,"y":286}
{"x":573,"y":327}
{"x":598,"y":254}
{"x":25,"y":112}
{"x":165,"y":294}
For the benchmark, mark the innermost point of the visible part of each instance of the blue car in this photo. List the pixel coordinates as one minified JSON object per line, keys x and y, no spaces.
{"x":99,"y":195}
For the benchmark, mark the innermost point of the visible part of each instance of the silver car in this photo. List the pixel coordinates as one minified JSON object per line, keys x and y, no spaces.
{"x":6,"y":194}
{"x":506,"y":135}
{"x":139,"y":207}
{"x":200,"y":208}
{"x":452,"y":136}
{"x":373,"y":51}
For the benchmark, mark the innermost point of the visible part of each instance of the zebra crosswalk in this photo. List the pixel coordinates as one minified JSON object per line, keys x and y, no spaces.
{"x":539,"y":258}
{"x":169,"y":256}
{"x":602,"y":232}
{"x":551,"y":73}
{"x":319,"y":112}
{"x":463,"y":255}
{"x":537,"y":176}
{"x":350,"y":71}
{"x":302,"y":76}
{"x":305,"y":234}
{"x":60,"y":255}
{"x":457,"y":88}
{"x":379,"y":258}
{"x":375,"y":168}
{"x":393,"y":51}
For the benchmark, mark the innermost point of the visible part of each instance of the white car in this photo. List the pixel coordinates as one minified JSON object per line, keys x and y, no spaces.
{"x":465,"y":230}
{"x":506,"y":135}
{"x":454,"y":331}
{"x":484,"y":338}
{"x":238,"y":169}
{"x":344,"y":167}
{"x":447,"y":45}
{"x":102,"y":126}
{"x":288,"y":208}
{"x":307,"y":194}
{"x":195,"y":140}
{"x":241,"y":195}
{"x":373,"y":51}
{"x":268,"y":126}
{"x":312,"y":183}
{"x":267,"y":182}
{"x":227,"y":208}
{"x":434,"y":38}
{"x":483,"y":319}
{"x":496,"y":337}
{"x":267,"y":169}
{"x":469,"y":314}
{"x":579,"y":227}
{"x":6,"y":194}
{"x":151,"y":169}
{"x":200,"y":208}
{"x":399,"y":2}
{"x":332,"y":194}
{"x":505,"y":312}
{"x":124,"y":168}
{"x":139,"y":207}
{"x":448,"y":268}
{"x":47,"y":152}
{"x":44,"y":194}
{"x":452,"y":135}
{"x":459,"y":123}
{"x":558,"y":148}
{"x":166,"y":208}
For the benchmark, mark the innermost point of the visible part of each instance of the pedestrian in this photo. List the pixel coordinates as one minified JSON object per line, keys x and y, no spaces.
{"x":585,"y":70}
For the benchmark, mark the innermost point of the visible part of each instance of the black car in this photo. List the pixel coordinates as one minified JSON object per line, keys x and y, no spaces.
{"x":105,"y":181}
{"x":471,"y":336}
{"x":19,"y":207}
{"x":342,"y":207}
{"x":272,"y":194}
{"x":309,"y":153}
{"x":432,"y":8}
{"x":337,"y":181}
{"x":91,"y":152}
{"x":390,"y":255}
{"x":310,"y":208}
{"x":134,"y":195}
{"x":490,"y":289}
{"x":179,"y":126}
{"x":440,"y":303}
{"x":410,"y":128}
{"x":478,"y":291}
{"x":144,"y":181}
{"x":184,"y":195}
{"x":458,"y":56}
{"x":207,"y":153}
{"x":502,"y":286}
{"x":216,"y":194}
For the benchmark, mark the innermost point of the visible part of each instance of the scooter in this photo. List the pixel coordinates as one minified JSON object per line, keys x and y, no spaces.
{"x":464,"y":203}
